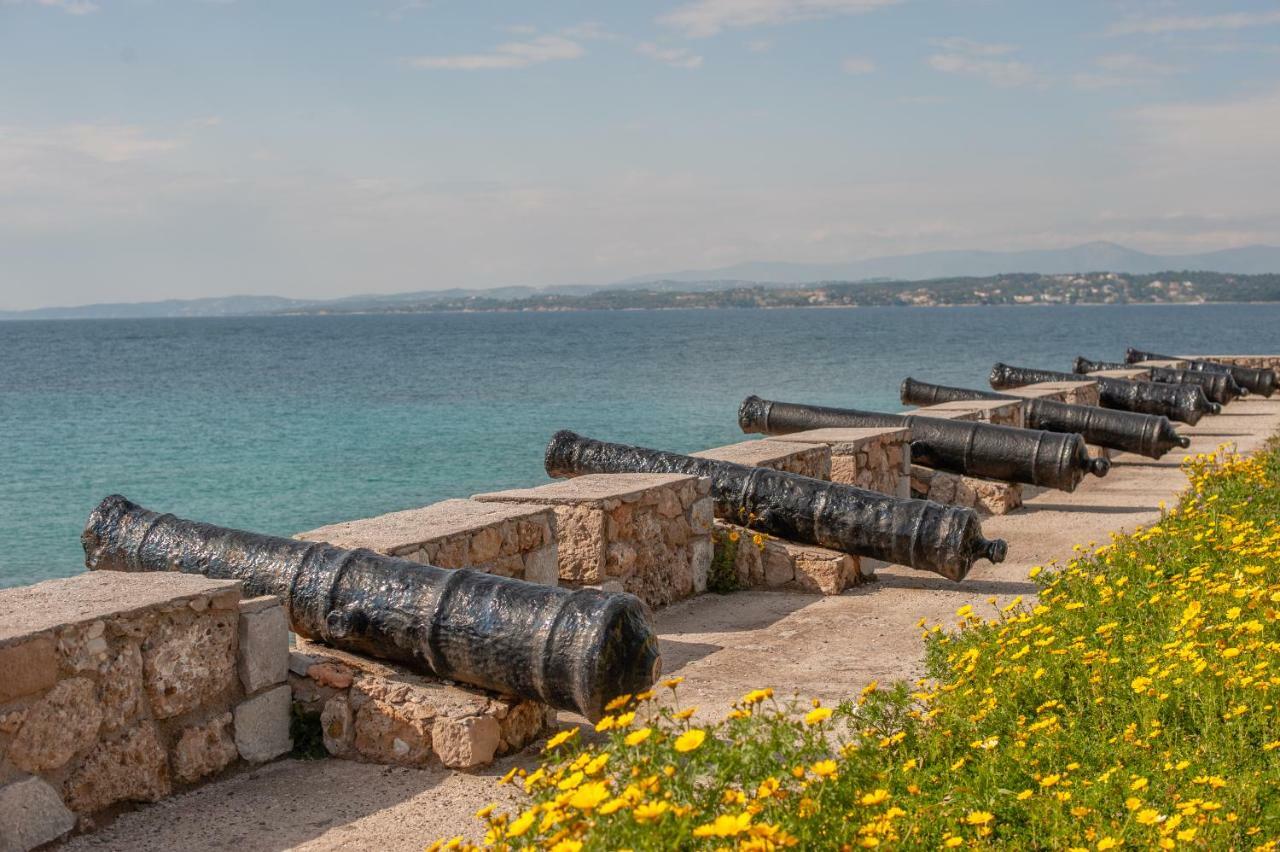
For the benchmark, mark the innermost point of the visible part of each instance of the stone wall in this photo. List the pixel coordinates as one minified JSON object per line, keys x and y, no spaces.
{"x":775,"y":564}
{"x":1135,"y":374}
{"x":645,"y":533}
{"x":874,"y":459}
{"x":379,"y":712}
{"x":999,"y":412}
{"x":121,"y":688}
{"x":1083,"y":392}
{"x":984,"y":495}
{"x":496,"y":538}
{"x":1168,"y":363}
{"x":1261,"y":362}
{"x":813,"y":460}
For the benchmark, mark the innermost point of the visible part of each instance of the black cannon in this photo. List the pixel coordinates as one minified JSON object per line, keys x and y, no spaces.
{"x":971,"y":448}
{"x":1184,"y":403}
{"x":1253,"y":379}
{"x":919,"y":533}
{"x":576,"y":650}
{"x":1218,"y":387}
{"x":1145,"y":434}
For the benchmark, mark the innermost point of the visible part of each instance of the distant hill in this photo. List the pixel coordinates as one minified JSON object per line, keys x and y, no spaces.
{"x":1090,"y":257}
{"x":929,"y":266}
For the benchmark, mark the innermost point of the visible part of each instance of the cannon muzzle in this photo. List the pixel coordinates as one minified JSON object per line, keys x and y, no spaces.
{"x":1254,"y":379}
{"x":572,"y":649}
{"x":928,"y":536}
{"x":1218,"y":387}
{"x":1146,"y":434}
{"x":1031,"y":456}
{"x":1185,"y":403}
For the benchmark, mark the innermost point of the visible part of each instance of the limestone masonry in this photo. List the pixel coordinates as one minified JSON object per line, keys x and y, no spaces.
{"x":876,"y":459}
{"x":122,"y":688}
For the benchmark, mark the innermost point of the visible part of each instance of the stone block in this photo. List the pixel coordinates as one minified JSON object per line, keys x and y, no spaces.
{"x":131,"y":768}
{"x":493,"y":537}
{"x":777,"y":564}
{"x":639,"y":529}
{"x":204,"y":750}
{"x":120,"y":689}
{"x":870,"y":458}
{"x":60,"y":725}
{"x":263,"y":650}
{"x":1082,"y":392}
{"x":812,"y":460}
{"x":262,"y":725}
{"x":389,"y":714}
{"x":1134,"y":374}
{"x":185,"y":664}
{"x":985,"y":496}
{"x":31,"y":814}
{"x":29,"y":667}
{"x":999,"y":412}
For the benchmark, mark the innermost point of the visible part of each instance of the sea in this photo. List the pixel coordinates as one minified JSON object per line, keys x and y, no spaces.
{"x":281,"y":424}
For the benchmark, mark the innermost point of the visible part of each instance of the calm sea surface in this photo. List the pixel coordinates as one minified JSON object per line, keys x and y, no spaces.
{"x":283,"y":424}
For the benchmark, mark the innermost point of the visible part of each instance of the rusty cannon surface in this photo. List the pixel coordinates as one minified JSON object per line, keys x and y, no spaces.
{"x":1184,"y":403}
{"x":575,"y":650}
{"x":921,"y":534}
{"x":1145,"y":434}
{"x":1030,"y":456}
{"x":1253,"y":379}
{"x":1218,"y":387}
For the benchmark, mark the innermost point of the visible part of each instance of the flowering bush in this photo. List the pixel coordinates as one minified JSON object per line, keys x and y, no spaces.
{"x":1134,"y":703}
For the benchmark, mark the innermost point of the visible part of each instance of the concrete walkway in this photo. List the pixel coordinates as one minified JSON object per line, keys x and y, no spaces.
{"x":722,"y":645}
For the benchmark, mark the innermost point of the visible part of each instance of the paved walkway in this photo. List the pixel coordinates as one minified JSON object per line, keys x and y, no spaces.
{"x":723,"y":646}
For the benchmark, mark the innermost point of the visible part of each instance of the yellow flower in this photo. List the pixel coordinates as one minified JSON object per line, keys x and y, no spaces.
{"x":618,"y":703}
{"x":953,"y":841}
{"x":650,"y":811}
{"x":567,"y":845}
{"x":1148,"y":816}
{"x":484,"y":812}
{"x":1140,"y":684}
{"x":725,"y":825}
{"x":588,"y":796}
{"x":875,"y":797}
{"x":1024,"y":795}
{"x":624,"y":720}
{"x":672,"y":683}
{"x":1050,"y":780}
{"x":816,"y":715}
{"x":560,"y":738}
{"x":979,"y":817}
{"x":521,"y":824}
{"x":690,"y":739}
{"x":605,"y":724}
{"x":685,"y":713}
{"x":1138,"y":784}
{"x":1108,"y":843}
{"x":636,"y":737}
{"x":824,"y":768}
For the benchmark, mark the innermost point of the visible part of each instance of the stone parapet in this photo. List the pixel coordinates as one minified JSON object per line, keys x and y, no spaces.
{"x":1133,"y":374}
{"x":998,"y":412}
{"x":1083,"y":392}
{"x":876,"y":459}
{"x":646,"y":533}
{"x":762,"y":562}
{"x":119,"y":688}
{"x":379,"y":712}
{"x":1259,"y":362}
{"x":987,"y":496}
{"x":496,"y":538}
{"x":812,"y":460}
{"x":1167,"y":363}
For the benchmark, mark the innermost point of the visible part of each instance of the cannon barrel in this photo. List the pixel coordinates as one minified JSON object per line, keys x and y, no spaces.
{"x":572,"y":649}
{"x":1184,"y":403}
{"x":919,"y":533}
{"x":1218,"y":387}
{"x":1145,"y":434}
{"x":1253,"y":379}
{"x":1030,"y":456}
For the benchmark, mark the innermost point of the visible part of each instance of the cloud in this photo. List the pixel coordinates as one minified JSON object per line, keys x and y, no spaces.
{"x":1117,"y":70}
{"x":676,"y":57}
{"x":857,"y":65}
{"x":978,"y":59}
{"x":1194,"y":23}
{"x":106,"y":143}
{"x":760,"y":45}
{"x":1243,"y":132}
{"x":514,"y":54}
{"x":703,"y":18}
{"x":590,"y":31}
{"x":71,"y":7}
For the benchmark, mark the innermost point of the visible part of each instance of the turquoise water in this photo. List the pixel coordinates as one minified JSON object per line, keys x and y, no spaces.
{"x":283,"y":424}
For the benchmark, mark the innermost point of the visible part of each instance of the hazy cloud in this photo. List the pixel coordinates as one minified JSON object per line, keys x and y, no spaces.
{"x":676,"y":57}
{"x":1194,"y":23}
{"x":71,"y":7}
{"x":702,"y":18}
{"x":108,"y":143}
{"x":515,"y":54}
{"x":978,"y":59}
{"x":1116,"y":70}
{"x":760,"y":45}
{"x":857,"y":65}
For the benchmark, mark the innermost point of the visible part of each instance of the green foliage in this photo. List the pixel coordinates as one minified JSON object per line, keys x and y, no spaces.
{"x":722,"y":576}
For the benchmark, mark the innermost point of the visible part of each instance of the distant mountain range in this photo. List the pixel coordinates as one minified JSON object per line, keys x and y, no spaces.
{"x":1089,"y":257}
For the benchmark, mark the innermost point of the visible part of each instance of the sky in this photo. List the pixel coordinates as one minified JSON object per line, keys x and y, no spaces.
{"x":156,"y":149}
